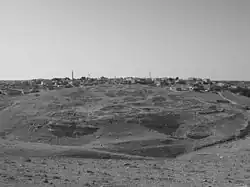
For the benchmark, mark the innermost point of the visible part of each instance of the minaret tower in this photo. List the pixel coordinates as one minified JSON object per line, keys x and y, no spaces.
{"x":72,"y":75}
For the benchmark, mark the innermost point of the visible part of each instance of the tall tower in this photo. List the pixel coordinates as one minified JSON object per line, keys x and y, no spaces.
{"x":72,"y":75}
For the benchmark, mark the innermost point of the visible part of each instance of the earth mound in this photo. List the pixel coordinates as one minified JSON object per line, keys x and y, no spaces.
{"x":166,"y":124}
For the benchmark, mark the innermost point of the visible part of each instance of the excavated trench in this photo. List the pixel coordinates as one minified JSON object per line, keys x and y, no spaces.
{"x":174,"y":146}
{"x":72,"y":131}
{"x":162,"y":123}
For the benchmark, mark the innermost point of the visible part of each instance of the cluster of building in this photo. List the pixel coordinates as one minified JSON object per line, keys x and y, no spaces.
{"x":177,"y":84}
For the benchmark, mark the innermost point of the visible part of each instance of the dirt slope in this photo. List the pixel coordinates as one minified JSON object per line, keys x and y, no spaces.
{"x":100,"y":126}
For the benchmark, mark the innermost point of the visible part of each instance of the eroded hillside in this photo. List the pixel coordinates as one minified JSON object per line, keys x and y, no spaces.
{"x":120,"y":122}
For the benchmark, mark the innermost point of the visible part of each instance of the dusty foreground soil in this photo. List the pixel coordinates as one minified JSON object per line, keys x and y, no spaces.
{"x":123,"y":136}
{"x":227,"y":165}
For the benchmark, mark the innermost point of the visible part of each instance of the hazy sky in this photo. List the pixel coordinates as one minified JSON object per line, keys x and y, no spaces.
{"x":49,"y":38}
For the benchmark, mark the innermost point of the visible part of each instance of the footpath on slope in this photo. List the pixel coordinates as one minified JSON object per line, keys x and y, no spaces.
{"x":232,"y":102}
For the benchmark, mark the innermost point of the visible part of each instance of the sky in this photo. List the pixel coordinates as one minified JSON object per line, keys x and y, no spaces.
{"x":169,"y":38}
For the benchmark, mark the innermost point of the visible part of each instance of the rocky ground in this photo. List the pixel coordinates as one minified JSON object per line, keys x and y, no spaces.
{"x":116,"y":136}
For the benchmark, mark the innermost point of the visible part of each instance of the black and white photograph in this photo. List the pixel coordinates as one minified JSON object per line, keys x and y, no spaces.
{"x":124,"y":93}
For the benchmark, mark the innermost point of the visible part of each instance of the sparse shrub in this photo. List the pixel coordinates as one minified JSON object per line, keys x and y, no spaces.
{"x":110,"y":94}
